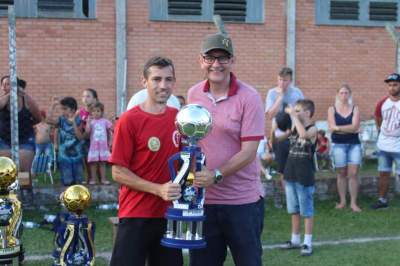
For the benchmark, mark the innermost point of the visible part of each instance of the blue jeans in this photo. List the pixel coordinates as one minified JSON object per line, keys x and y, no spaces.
{"x":299,"y":199}
{"x":386,"y":159}
{"x":345,"y":154}
{"x":71,"y":172}
{"x":238,"y":227}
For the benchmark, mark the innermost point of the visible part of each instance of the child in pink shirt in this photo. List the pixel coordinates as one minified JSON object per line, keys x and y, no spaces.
{"x":99,"y":129}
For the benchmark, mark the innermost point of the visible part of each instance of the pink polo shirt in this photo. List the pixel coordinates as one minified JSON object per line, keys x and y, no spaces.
{"x":236,"y":118}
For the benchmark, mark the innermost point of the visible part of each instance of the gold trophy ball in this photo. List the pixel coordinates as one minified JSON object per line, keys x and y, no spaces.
{"x":8,"y":172}
{"x":76,"y":198}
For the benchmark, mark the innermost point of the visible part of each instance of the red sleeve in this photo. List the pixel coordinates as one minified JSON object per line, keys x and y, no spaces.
{"x":124,"y":142}
{"x":378,"y":108}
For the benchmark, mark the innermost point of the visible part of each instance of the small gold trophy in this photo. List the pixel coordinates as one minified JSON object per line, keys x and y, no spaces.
{"x":10,"y":214}
{"x":74,"y":241}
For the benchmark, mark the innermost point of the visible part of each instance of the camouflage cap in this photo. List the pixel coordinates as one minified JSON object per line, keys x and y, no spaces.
{"x":217,"y":41}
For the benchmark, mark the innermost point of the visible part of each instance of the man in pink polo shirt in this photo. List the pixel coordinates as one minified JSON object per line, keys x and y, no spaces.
{"x":234,"y":205}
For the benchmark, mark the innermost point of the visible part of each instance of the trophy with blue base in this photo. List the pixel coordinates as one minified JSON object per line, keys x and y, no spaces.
{"x":74,"y":236}
{"x":185,"y":217}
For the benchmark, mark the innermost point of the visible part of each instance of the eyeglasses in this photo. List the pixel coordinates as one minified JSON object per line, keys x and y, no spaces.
{"x":223,"y":59}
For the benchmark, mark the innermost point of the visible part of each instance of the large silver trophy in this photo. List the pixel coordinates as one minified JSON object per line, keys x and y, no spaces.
{"x":185,"y":218}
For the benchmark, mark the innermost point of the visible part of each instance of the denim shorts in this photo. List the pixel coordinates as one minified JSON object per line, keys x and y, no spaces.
{"x":29,"y":144}
{"x":386,"y":159}
{"x":345,"y":154}
{"x":299,"y":199}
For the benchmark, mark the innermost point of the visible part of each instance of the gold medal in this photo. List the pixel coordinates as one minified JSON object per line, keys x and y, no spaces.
{"x":154,"y":144}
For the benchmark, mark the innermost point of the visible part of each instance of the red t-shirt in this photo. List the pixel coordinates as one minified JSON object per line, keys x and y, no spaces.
{"x":322,"y":145}
{"x":378,"y":108}
{"x":143,"y":143}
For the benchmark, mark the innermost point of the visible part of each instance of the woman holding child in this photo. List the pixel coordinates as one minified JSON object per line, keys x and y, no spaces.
{"x":344,"y":123}
{"x":28,"y":115}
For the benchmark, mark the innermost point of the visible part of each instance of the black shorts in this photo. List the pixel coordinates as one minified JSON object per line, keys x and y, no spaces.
{"x":281,"y":150}
{"x":138,"y":241}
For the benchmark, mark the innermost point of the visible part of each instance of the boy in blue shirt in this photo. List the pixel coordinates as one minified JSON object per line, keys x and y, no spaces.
{"x":70,"y":151}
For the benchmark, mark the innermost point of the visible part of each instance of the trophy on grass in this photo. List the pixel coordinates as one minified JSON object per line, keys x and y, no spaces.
{"x":74,"y":237}
{"x":185,"y":218}
{"x":11,"y":252}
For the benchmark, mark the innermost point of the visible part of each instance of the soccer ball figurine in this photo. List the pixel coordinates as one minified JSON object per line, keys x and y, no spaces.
{"x":8,"y":172}
{"x":193,"y":129}
{"x":76,"y":198}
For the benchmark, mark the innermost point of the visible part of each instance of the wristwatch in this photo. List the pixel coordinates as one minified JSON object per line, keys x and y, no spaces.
{"x":218,"y":176}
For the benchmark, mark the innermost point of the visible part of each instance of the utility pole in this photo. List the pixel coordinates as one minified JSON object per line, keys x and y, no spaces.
{"x":396,"y":38}
{"x":12,"y":55}
{"x":121,"y":60}
{"x":219,"y":24}
{"x":291,"y":36}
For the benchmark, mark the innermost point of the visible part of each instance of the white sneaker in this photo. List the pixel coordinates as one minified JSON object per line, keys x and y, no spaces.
{"x":306,"y":250}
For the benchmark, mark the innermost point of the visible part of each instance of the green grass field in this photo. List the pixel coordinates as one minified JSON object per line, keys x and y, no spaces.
{"x":330,"y":224}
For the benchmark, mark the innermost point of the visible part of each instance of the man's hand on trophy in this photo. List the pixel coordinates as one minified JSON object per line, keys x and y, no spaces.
{"x":204,"y":178}
{"x":170,"y":191}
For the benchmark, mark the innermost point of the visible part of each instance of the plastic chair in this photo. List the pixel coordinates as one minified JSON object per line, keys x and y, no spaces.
{"x":42,"y":163}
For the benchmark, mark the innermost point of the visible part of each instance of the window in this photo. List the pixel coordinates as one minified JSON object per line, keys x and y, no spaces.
{"x":357,"y":13}
{"x":240,"y":11}
{"x":4,"y":6}
{"x":81,"y":9}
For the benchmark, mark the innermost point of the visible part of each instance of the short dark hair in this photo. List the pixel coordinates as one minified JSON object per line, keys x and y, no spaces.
{"x":96,"y":105}
{"x":286,"y":71}
{"x":69,"y":102}
{"x":283,"y":121}
{"x":158,"y":61}
{"x":307,"y":105}
{"x":322,"y":132}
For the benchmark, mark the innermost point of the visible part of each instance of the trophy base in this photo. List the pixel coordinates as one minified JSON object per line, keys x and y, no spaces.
{"x":184,"y":229}
{"x":185,"y":215}
{"x":181,"y":243}
{"x":11,"y":255}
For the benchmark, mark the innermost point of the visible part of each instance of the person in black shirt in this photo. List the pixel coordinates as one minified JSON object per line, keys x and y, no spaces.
{"x":28,"y":115}
{"x":299,"y":174}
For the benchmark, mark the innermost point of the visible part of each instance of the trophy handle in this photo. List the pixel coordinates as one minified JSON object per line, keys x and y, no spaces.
{"x":184,"y":157}
{"x":14,"y":231}
{"x":171,"y":165}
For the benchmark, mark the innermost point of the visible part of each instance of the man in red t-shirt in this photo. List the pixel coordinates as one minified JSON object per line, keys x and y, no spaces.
{"x":145,"y":138}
